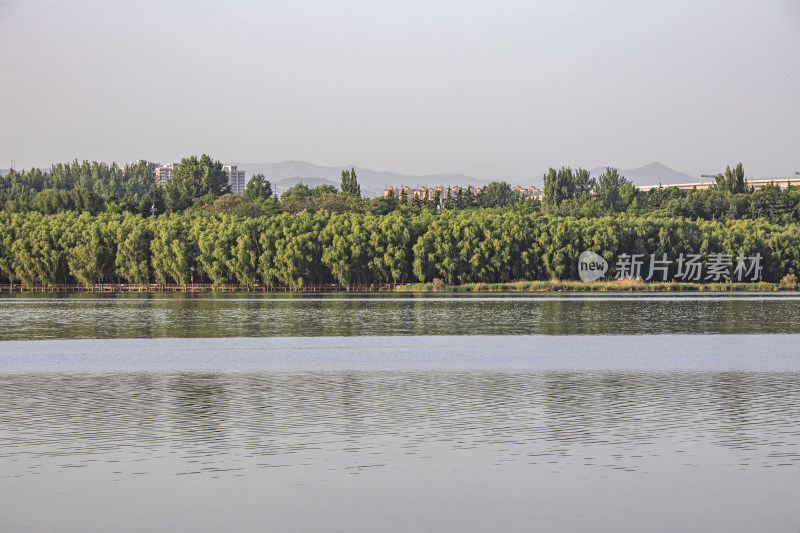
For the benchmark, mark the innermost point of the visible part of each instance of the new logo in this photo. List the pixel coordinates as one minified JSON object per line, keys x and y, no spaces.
{"x":591,"y":266}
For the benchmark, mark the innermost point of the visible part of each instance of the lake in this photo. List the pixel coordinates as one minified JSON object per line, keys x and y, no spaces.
{"x":353,"y":412}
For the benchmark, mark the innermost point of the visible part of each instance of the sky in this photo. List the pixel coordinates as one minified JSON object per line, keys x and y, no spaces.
{"x":496,"y":90}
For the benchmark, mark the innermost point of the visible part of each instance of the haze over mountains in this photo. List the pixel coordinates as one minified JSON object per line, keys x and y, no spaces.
{"x":289,"y":173}
{"x":373,"y":182}
{"x":652,"y":174}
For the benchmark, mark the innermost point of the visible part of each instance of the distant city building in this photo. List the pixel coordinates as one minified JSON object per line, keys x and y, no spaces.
{"x":426,"y":193}
{"x":443,"y":193}
{"x":164,"y":172}
{"x":710,"y":183}
{"x":236,"y":178}
{"x":529,"y":192}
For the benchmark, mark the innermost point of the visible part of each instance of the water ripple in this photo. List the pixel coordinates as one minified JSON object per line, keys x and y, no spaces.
{"x":218,"y":423}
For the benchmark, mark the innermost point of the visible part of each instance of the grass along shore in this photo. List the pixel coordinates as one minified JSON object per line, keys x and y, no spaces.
{"x":625,"y":285}
{"x":789,"y":283}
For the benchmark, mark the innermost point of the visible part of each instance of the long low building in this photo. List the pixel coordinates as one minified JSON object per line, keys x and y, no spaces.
{"x":757,"y":184}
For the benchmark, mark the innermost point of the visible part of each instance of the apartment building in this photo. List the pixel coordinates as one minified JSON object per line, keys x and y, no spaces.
{"x":164,"y":172}
{"x":443,"y":193}
{"x":236,"y":178}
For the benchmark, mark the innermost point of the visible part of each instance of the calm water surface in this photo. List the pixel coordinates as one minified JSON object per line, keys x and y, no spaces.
{"x":25,"y":317}
{"x":354,"y":413}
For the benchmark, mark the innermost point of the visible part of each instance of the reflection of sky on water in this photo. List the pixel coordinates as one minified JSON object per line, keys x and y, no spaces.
{"x":572,"y":448}
{"x":279,"y":315}
{"x":627,"y":418}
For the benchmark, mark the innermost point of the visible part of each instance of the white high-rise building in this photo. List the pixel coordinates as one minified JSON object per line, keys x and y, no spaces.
{"x":236,"y":178}
{"x":164,"y":172}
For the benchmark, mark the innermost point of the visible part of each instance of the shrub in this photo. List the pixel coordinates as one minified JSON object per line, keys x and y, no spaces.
{"x":438,"y":284}
{"x":789,"y":282}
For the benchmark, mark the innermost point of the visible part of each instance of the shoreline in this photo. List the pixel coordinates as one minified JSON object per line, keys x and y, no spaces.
{"x":627,"y":285}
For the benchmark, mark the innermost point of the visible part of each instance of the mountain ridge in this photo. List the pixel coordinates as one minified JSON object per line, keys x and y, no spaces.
{"x":650,"y":174}
{"x":285,"y":174}
{"x":372,"y":182}
{"x":288,"y":173}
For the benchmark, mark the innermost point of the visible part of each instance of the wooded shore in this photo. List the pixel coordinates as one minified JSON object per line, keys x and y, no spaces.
{"x":626,"y":285}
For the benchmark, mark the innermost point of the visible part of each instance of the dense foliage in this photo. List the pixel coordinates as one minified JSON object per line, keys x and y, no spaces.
{"x":195,"y":178}
{"x":199,"y":185}
{"x":353,"y":249}
{"x":94,"y":223}
{"x":105,"y":186}
{"x":573,"y":192}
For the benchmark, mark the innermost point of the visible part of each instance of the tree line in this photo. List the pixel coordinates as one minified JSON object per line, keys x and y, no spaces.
{"x":200,"y":185}
{"x":575,"y":193}
{"x":359,"y":249}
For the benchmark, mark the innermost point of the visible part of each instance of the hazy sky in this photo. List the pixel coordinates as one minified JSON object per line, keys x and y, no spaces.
{"x":498,"y":90}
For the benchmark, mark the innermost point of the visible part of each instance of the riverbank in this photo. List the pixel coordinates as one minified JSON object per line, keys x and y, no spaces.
{"x":626,"y":285}
{"x":372,"y":251}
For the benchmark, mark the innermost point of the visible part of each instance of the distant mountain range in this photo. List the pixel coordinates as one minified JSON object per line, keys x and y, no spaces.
{"x":289,"y":173}
{"x":373,"y":182}
{"x":652,"y":174}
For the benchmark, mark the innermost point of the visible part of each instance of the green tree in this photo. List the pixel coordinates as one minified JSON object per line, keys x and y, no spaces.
{"x":297,"y":198}
{"x":173,"y":253}
{"x":39,"y":251}
{"x":152,"y":202}
{"x":51,"y":201}
{"x":9,"y":224}
{"x":584,"y":182}
{"x":609,"y":185}
{"x":291,"y":250}
{"x":91,"y":257}
{"x":258,"y":188}
{"x":132,"y":260}
{"x":346,"y":251}
{"x":216,"y":239}
{"x":559,"y":186}
{"x":497,"y":194}
{"x":732,"y":180}
{"x":194,"y":179}
{"x":243,"y":263}
{"x":771,"y":202}
{"x":350,"y":183}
